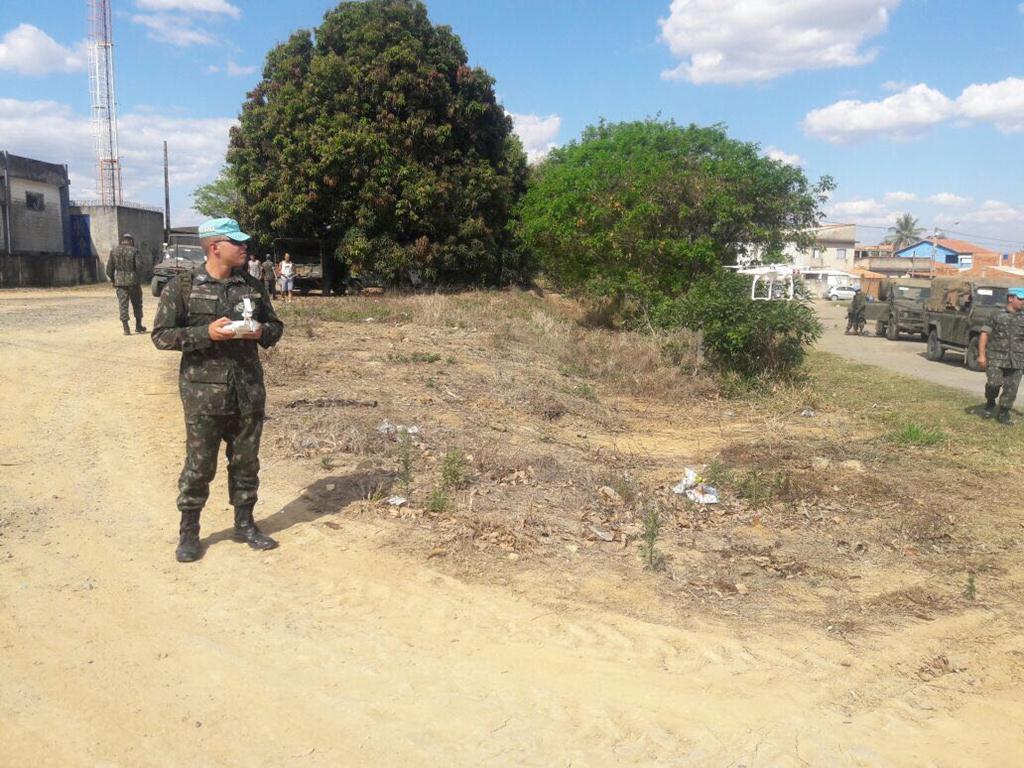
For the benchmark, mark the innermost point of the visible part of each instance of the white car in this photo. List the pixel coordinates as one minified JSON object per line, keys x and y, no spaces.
{"x":837,"y":292}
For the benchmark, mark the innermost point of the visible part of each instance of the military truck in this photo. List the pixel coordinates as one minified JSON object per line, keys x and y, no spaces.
{"x":182,"y":254}
{"x":957,"y":309}
{"x":900,"y":307}
{"x":315,"y":266}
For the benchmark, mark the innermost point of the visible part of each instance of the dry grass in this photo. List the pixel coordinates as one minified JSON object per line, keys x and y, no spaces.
{"x":550,"y":415}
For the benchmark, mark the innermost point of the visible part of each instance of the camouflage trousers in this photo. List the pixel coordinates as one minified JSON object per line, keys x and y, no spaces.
{"x":1005,"y":379}
{"x":203,"y":435}
{"x":271,"y":286}
{"x":128,"y":293}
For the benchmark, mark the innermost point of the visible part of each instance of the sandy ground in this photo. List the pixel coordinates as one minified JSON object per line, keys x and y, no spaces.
{"x":905,"y":355}
{"x":337,"y":649}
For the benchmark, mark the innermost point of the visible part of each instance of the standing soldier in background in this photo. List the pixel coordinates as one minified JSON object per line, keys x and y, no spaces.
{"x":125,"y":270}
{"x":269,"y":276}
{"x":1001,"y":354}
{"x":220,"y":379}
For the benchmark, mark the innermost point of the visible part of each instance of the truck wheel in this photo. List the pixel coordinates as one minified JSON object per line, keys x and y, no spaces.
{"x":971,"y":354}
{"x":935,"y":350}
{"x":892,"y":331}
{"x":156,"y":286}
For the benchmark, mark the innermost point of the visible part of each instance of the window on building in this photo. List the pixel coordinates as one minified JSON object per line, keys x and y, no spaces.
{"x":35,"y":201}
{"x":816,"y":254}
{"x":841,"y":254}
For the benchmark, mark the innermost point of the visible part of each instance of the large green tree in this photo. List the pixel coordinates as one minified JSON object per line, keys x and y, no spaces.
{"x":219,"y":198}
{"x":374,"y":133}
{"x":635,"y":212}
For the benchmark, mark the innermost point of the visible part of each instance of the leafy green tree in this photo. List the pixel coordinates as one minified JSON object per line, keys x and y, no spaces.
{"x":374,"y":133}
{"x":633,"y":213}
{"x":643,"y":217}
{"x":219,"y":198}
{"x":904,"y":232}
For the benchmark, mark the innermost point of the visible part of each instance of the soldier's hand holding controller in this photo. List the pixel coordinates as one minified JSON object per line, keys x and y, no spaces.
{"x":219,"y":331}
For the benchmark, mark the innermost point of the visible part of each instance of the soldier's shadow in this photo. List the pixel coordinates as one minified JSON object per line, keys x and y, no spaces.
{"x":979,"y":410}
{"x":327,"y":496}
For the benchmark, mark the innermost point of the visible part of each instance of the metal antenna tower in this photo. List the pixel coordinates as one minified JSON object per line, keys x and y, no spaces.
{"x":104,"y":105}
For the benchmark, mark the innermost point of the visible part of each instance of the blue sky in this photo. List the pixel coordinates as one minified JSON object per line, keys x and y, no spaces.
{"x":910,"y":105}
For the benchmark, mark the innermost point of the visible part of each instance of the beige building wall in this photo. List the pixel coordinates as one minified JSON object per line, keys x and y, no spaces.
{"x":833,"y":250}
{"x":37,"y":231}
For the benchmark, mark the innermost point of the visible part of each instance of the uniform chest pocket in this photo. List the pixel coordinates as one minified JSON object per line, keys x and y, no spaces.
{"x":205,"y":306}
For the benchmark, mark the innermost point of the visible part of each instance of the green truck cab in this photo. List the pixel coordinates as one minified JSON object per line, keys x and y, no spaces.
{"x":956,"y":311}
{"x":900,"y":307}
{"x":182,"y":254}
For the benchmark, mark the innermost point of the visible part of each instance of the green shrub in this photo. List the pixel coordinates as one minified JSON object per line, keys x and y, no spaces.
{"x":752,"y":338}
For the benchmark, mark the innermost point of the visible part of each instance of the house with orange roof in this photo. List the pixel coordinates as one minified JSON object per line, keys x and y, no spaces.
{"x":943,"y":250}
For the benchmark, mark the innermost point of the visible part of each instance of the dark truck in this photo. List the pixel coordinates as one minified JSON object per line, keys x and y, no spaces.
{"x":956,"y":311}
{"x":900,"y":307}
{"x":315,"y":266}
{"x":182,"y":254}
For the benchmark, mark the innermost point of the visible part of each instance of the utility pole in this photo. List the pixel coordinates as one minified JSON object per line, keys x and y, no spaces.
{"x":167,"y":200}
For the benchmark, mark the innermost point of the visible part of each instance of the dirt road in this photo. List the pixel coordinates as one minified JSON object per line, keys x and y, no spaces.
{"x":904,"y":356}
{"x":337,"y":650}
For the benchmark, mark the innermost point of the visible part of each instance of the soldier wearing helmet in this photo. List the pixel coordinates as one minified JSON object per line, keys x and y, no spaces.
{"x":125,"y":269}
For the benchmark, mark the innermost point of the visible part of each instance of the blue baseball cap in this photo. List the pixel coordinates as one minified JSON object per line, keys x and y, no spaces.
{"x":222,"y":228}
{"x":1018,"y":292}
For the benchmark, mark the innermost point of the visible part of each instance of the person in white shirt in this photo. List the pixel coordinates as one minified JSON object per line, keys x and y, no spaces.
{"x":254,"y":266}
{"x":287,"y":277}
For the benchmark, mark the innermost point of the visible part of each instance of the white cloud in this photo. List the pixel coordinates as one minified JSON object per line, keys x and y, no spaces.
{"x":28,"y":50}
{"x":1001,"y":103}
{"x":900,"y":197}
{"x":175,"y":21}
{"x":176,"y":30}
{"x":858,"y":210}
{"x":734,"y":42}
{"x":236,"y":70}
{"x":901,"y":117}
{"x":51,"y":131}
{"x":537,"y":133}
{"x":775,"y":153}
{"x":995,"y":212}
{"x":231,"y":69}
{"x":191,"y":6}
{"x":948,"y":199}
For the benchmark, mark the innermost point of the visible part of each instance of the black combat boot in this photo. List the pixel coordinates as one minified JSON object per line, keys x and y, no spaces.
{"x":1003,"y":417}
{"x":139,"y":327}
{"x":124,"y":327}
{"x":188,"y":550}
{"x":990,"y":409}
{"x":246,"y":530}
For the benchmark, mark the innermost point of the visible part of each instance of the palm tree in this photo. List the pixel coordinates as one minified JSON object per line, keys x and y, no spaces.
{"x":904,"y":232}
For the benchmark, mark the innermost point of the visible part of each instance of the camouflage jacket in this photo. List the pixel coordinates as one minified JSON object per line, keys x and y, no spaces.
{"x":124,"y":267}
{"x":1005,"y":348}
{"x":215,"y":378}
{"x":858,"y":303}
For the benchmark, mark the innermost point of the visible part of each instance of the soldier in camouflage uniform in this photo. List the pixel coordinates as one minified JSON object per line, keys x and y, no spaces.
{"x":1001,"y":354}
{"x":125,"y":270}
{"x":220,"y":379}
{"x":855,"y":313}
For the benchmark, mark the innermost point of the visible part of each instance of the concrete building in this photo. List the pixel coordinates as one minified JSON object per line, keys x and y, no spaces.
{"x":35,"y":226}
{"x":98,"y":228}
{"x":833,"y":248}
